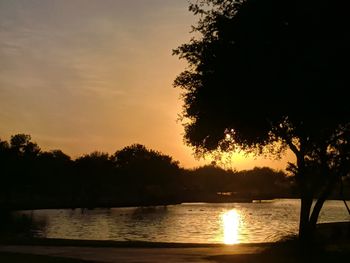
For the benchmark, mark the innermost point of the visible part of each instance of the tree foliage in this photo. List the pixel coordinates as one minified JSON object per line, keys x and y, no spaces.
{"x":257,"y":65}
{"x":266,"y":71}
{"x":134,"y":175}
{"x":145,"y":165}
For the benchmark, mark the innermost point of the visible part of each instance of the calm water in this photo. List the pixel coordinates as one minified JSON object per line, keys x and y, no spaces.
{"x":196,"y":223}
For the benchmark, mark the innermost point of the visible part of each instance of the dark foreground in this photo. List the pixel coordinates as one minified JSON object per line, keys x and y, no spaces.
{"x":6,"y":257}
{"x":288,"y":252}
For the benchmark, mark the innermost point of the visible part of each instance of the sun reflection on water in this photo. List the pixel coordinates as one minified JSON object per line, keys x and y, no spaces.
{"x":231,"y":220}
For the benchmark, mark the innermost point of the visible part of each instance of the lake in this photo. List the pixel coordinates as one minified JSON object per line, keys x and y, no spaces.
{"x":228,"y":223}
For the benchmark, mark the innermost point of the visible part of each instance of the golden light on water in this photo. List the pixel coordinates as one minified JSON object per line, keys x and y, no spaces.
{"x":230,"y":220}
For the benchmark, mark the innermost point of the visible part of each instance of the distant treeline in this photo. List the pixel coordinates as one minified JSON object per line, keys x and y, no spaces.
{"x":133,"y":176}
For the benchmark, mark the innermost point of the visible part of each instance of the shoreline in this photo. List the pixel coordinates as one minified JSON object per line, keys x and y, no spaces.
{"x":286,"y":251}
{"x":325,"y":249}
{"x":153,"y":254}
{"x":60,"y":242}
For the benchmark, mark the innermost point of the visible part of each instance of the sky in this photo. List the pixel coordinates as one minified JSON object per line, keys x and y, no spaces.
{"x":87,"y":75}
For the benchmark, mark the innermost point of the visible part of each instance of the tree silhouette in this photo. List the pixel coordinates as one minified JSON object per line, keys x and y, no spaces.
{"x":92,"y":173}
{"x":5,"y":178}
{"x":152,"y":166}
{"x":22,"y":145}
{"x":54,"y":176}
{"x":18,"y":160}
{"x":151,"y":174}
{"x":264,"y":72}
{"x":31,"y":178}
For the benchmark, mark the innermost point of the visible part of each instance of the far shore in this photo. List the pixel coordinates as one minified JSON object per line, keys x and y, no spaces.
{"x":150,"y":204}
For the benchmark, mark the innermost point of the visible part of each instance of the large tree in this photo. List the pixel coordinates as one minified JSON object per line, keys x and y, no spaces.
{"x":272,"y":72}
{"x":146,"y":166}
{"x":151,"y":174}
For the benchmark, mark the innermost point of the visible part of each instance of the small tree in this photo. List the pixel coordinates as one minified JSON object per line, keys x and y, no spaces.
{"x":271,"y":72}
{"x":22,"y":145}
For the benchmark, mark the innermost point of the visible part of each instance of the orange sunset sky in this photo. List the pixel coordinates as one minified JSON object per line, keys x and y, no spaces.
{"x":85,"y":75}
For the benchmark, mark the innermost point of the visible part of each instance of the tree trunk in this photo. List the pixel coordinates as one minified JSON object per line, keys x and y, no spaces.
{"x":315,"y":213}
{"x":319,"y":203}
{"x":306,"y":198}
{"x":304,"y":223}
